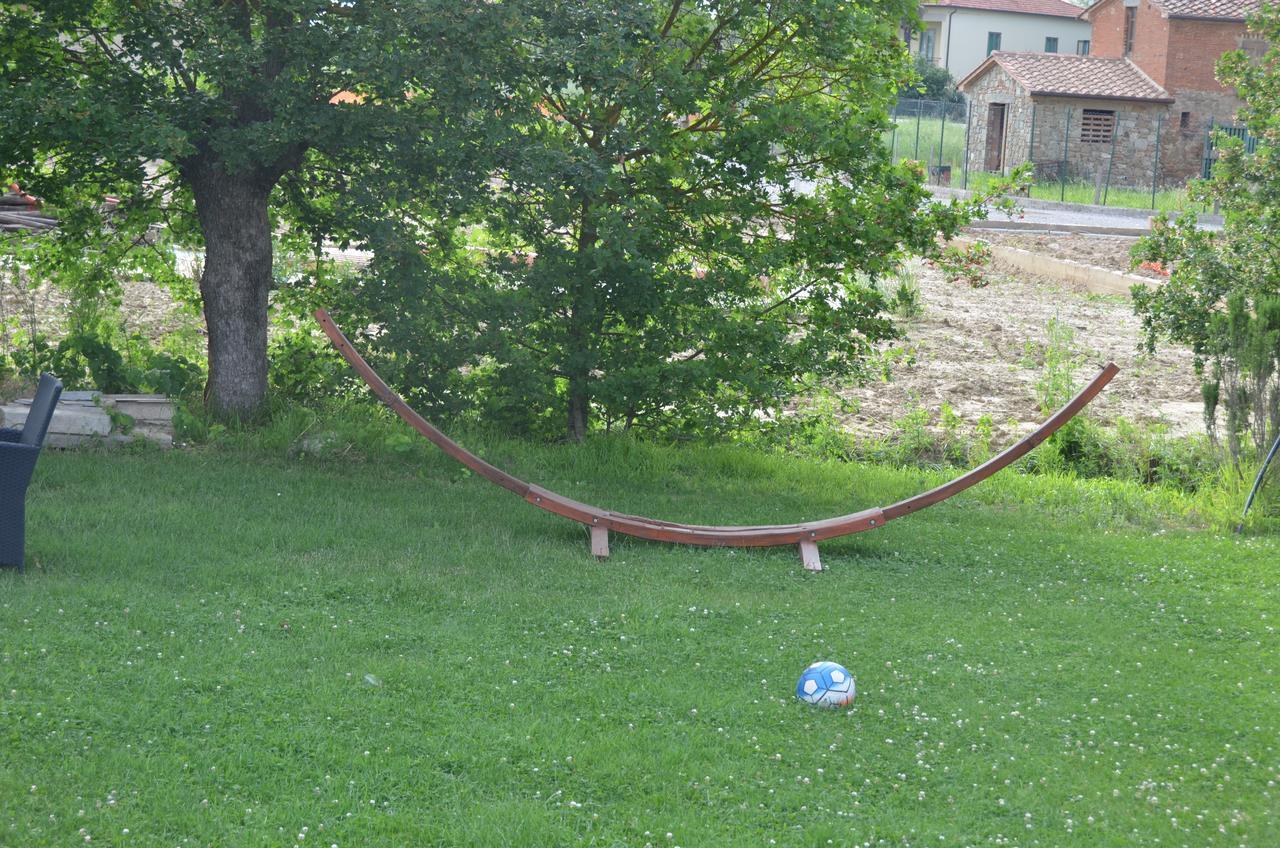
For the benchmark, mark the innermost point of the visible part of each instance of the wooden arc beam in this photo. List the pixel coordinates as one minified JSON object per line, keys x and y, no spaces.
{"x":806,"y":535}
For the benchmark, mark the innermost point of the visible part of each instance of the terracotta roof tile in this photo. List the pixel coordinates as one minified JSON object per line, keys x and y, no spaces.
{"x":1234,"y":10}
{"x":1068,"y":75}
{"x":1057,"y":8}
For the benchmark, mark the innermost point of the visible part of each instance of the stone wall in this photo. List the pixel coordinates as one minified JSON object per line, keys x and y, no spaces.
{"x":1127,"y":159}
{"x":1183,"y":152}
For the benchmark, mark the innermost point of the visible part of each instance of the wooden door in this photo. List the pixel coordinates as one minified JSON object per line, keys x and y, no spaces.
{"x":995,"y":137}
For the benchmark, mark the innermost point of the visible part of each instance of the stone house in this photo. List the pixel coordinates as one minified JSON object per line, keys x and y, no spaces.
{"x":959,"y":34}
{"x":1140,"y":105}
{"x":1064,"y":113}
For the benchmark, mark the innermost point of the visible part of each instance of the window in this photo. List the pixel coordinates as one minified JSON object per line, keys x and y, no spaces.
{"x":993,"y":42}
{"x":1082,"y":47}
{"x":1184,"y":121}
{"x":926,"y":45}
{"x":1097,"y":126}
{"x":1051,"y":45}
{"x":1130,"y":24}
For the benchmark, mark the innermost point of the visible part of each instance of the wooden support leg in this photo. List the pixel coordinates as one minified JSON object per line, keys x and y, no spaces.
{"x":809,"y":555}
{"x":600,"y":541}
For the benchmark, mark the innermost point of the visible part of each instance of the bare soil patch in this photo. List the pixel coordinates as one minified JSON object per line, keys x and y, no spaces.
{"x":981,"y":350}
{"x":1103,"y":251}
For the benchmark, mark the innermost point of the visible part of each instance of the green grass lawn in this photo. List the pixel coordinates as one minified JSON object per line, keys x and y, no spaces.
{"x":1166,"y":200}
{"x":234,"y":649}
{"x":934,"y":142}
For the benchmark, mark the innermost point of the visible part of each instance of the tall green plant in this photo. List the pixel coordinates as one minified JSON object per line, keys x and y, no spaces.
{"x":686,"y":227}
{"x":1223,"y":295}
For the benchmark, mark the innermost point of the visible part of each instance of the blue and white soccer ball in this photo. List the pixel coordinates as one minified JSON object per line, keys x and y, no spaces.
{"x":826,"y":684}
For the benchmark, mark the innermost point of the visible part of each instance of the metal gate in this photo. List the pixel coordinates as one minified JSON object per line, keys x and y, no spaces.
{"x":1210,"y":143}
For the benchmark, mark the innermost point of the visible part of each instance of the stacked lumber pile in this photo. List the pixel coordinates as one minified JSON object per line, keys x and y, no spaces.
{"x":21,"y":213}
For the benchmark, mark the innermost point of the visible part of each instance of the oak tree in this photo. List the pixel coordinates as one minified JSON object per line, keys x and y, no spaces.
{"x":207,"y":106}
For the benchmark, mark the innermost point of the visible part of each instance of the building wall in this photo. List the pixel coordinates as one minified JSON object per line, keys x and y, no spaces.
{"x":1181,"y":56}
{"x":1128,"y":160}
{"x":962,"y":44}
{"x":1184,"y":150}
{"x":1178,"y":54}
{"x":1193,"y":53}
{"x":1107,"y":20}
{"x":1150,"y":40}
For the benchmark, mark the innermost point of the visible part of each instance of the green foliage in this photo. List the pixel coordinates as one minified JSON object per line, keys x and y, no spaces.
{"x":966,"y":263}
{"x":101,"y":357}
{"x":193,"y":114}
{"x":1056,"y":384}
{"x":1170,"y":200}
{"x":932,"y":82}
{"x":1223,"y":295}
{"x":305,"y":367}
{"x":87,"y":260}
{"x":690,"y":219}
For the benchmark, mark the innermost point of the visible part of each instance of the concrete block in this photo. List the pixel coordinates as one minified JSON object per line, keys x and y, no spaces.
{"x":72,"y":419}
{"x":142,"y":408}
{"x":82,"y":417}
{"x":1090,"y":277}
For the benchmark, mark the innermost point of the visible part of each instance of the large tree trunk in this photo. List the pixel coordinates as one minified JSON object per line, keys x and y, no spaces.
{"x":234,"y":287}
{"x":579,"y":410}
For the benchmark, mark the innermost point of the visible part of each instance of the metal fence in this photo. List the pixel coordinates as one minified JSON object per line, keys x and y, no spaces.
{"x":1141,"y":157}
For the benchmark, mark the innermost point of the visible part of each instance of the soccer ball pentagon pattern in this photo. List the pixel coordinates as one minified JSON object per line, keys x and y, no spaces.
{"x":826,"y":684}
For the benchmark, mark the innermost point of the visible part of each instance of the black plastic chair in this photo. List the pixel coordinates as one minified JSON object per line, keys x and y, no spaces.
{"x":19,"y":450}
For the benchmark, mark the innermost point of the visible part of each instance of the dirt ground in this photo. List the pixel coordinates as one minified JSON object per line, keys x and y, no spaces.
{"x":1104,"y":251}
{"x":981,"y":350}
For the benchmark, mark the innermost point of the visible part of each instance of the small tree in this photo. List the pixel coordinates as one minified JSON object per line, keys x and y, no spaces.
{"x":686,"y":226}
{"x":207,"y":105}
{"x":1223,"y":295}
{"x":933,"y":82}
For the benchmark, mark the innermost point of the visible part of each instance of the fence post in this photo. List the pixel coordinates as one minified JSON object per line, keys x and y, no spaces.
{"x":1155,"y":168}
{"x":942,"y":134}
{"x":919,"y":111}
{"x":1115,"y":131}
{"x":1206,"y":167}
{"x":1062,"y":166}
{"x":968,"y":124}
{"x":1031,"y":144}
{"x":893,"y":139}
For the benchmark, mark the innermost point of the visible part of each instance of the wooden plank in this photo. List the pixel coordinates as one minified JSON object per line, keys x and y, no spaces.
{"x":809,"y":556}
{"x":599,"y":541}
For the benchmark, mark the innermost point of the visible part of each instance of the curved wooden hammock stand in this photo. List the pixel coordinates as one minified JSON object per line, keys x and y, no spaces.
{"x":806,"y":535}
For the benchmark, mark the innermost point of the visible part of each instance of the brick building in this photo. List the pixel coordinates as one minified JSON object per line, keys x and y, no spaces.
{"x":1147,"y":90}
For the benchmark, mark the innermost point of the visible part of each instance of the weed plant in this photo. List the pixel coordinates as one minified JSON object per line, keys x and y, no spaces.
{"x":901,"y":294}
